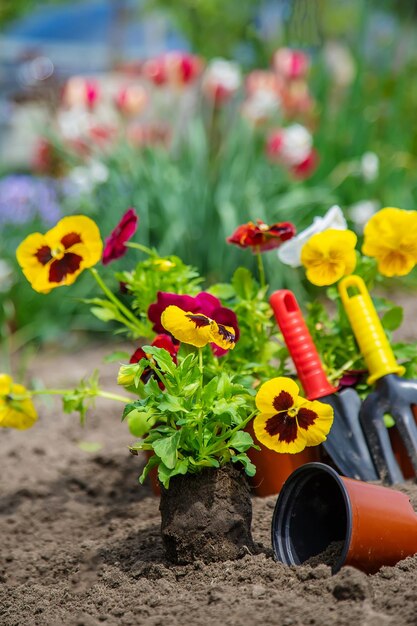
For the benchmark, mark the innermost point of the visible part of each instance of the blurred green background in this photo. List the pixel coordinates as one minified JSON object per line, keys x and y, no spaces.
{"x":215,"y":174}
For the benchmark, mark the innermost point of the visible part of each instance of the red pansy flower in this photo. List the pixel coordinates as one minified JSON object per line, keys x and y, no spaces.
{"x":114,"y":247}
{"x":261,"y":237}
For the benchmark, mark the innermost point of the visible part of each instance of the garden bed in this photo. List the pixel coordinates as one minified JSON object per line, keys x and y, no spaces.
{"x":81,"y":542}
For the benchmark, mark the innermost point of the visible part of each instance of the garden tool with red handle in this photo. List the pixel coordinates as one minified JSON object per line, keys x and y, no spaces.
{"x":392,"y":395}
{"x":345,"y":444}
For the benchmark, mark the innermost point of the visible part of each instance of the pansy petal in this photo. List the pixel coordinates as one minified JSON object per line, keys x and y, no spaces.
{"x":223,"y":336}
{"x":188,"y":327}
{"x":390,"y":236}
{"x":277,"y":394}
{"x":5,"y":384}
{"x":88,"y":232}
{"x":16,"y":410}
{"x":328,"y":256}
{"x":317,"y":429}
{"x":274,"y":442}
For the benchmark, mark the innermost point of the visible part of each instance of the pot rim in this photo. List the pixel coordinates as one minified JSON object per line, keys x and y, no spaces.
{"x":284,"y":507}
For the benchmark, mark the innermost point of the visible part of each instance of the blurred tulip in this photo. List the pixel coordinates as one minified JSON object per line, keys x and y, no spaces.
{"x":369,"y":166}
{"x":340,"y":63}
{"x":81,"y":92}
{"x":261,"y":106}
{"x":221,"y":80}
{"x":150,"y":134}
{"x":296,"y":98}
{"x":290,"y":146}
{"x":290,"y":64}
{"x":261,"y":80}
{"x":131,"y":100}
{"x":174,"y":68}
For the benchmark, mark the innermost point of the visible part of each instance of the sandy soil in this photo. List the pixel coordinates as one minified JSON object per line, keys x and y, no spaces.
{"x":80,"y":543}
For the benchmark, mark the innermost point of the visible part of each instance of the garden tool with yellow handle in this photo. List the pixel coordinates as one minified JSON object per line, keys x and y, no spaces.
{"x":345,"y":443}
{"x":393,"y":395}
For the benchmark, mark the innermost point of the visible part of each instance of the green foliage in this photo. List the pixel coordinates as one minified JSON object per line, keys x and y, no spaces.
{"x":159,"y":274}
{"x":194,"y":422}
{"x":216,"y":27}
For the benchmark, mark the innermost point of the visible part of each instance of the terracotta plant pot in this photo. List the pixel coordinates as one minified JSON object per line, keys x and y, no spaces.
{"x":207,"y":516}
{"x":319,"y":512}
{"x":273,"y":469}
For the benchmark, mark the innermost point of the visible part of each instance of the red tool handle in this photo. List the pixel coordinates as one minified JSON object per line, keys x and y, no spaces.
{"x":300,"y":345}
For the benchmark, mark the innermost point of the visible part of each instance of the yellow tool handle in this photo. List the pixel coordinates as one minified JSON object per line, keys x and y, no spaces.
{"x":367,"y":328}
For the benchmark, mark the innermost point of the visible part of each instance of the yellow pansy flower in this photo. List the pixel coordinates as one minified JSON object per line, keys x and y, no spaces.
{"x":60,"y":255}
{"x":287,"y":422}
{"x":390,"y":236}
{"x":197,"y":329}
{"x":329,"y":255}
{"x":16,"y":408}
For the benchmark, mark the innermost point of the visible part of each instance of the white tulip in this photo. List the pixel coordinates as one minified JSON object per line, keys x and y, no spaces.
{"x":297,"y":143}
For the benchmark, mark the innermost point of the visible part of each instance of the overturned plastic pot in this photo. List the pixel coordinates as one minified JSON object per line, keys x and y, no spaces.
{"x":323,"y":517}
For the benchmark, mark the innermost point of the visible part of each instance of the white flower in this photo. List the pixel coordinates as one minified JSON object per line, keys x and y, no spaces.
{"x":85,"y":177}
{"x":340,"y":62}
{"x":222,"y":75}
{"x":362,"y":211}
{"x":369,"y":166}
{"x":261,"y":105}
{"x":290,"y":251}
{"x":297,"y":143}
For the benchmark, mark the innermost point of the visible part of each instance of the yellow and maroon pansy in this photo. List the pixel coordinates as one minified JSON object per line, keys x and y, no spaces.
{"x":288,"y":422}
{"x":60,"y":255}
{"x":16,"y":407}
{"x":196,"y":329}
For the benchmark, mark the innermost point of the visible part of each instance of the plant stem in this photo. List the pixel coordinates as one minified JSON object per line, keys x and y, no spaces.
{"x":139,"y":246}
{"x":261,"y":269}
{"x":62,"y":392}
{"x":200,"y":421}
{"x":133,"y":322}
{"x":220,"y":442}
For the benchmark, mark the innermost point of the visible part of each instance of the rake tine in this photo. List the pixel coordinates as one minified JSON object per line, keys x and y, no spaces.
{"x":407,"y":428}
{"x":371,"y":417}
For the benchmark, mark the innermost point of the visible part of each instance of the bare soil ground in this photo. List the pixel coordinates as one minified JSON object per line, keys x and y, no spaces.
{"x":80,"y":540}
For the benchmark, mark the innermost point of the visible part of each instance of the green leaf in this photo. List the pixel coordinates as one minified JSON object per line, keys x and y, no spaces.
{"x":243,"y":283}
{"x":162,"y":358}
{"x":115,"y":356}
{"x":172,"y":404}
{"x":105,"y":315}
{"x":393,"y":318}
{"x":241,"y":441}
{"x":164,"y":474}
{"x":166,"y":449}
{"x":223,"y":291}
{"x":243,"y":458}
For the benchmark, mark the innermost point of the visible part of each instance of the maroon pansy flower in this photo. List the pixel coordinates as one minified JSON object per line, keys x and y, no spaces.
{"x":114,"y":247}
{"x":160,"y":341}
{"x":164,"y":299}
{"x":260,"y":237}
{"x":351,"y":378}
